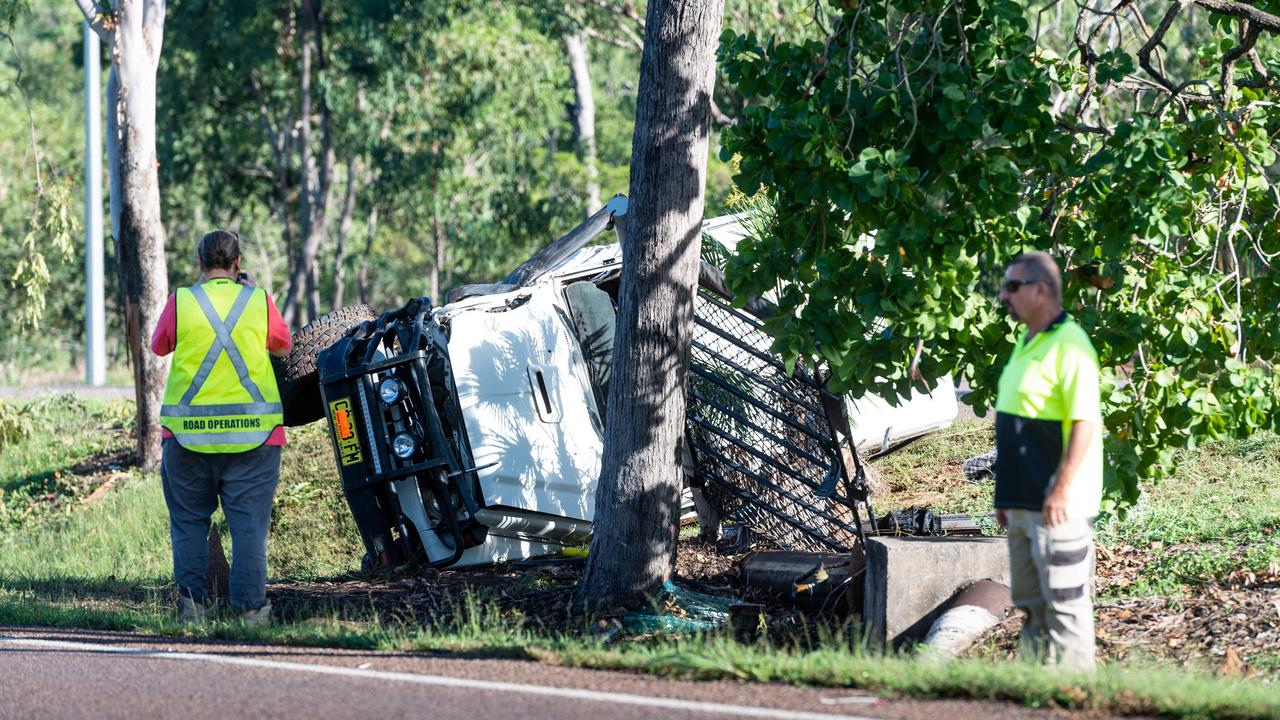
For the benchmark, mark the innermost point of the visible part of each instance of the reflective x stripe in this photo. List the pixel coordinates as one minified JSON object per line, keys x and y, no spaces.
{"x":225,"y":438}
{"x":222,"y":343}
{"x":262,"y":408}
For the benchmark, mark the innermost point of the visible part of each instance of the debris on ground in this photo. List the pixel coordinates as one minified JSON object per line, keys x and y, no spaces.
{"x":679,"y":610}
{"x":538,"y":593}
{"x":1232,"y":625}
{"x":809,"y":581}
{"x":980,"y":467}
{"x":924,"y":521}
{"x":968,"y":615}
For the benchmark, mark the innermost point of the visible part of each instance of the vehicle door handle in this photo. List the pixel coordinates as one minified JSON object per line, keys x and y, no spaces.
{"x":544,"y":399}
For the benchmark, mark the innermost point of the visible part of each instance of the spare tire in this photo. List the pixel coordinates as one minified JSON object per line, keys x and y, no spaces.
{"x":296,"y":373}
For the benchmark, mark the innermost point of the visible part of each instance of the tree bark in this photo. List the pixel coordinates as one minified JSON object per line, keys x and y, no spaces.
{"x":584,"y":114}
{"x":316,"y":174}
{"x":637,"y":498}
{"x":362,"y":274}
{"x":135,"y":34}
{"x":441,"y":246}
{"x":344,"y":229}
{"x":439,"y":242}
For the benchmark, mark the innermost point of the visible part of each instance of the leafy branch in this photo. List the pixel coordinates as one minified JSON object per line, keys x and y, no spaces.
{"x":920,"y":146}
{"x":50,"y":223}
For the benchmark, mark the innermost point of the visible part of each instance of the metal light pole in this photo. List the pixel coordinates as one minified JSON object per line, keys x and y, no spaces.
{"x":95,"y":353}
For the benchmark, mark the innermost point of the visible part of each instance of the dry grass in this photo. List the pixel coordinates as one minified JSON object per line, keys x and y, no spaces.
{"x":928,"y":473}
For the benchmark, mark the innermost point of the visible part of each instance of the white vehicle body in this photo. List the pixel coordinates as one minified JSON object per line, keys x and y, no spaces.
{"x":535,"y":428}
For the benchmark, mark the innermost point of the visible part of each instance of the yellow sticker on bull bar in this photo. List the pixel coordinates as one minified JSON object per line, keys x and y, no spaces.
{"x":344,"y":431}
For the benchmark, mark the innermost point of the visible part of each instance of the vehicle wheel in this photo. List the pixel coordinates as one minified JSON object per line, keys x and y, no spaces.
{"x":296,"y":374}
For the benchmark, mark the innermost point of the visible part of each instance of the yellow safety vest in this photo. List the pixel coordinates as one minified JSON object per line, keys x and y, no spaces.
{"x":222,"y":395}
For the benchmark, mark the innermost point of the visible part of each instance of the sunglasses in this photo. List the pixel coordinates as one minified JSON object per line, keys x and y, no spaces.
{"x":1011,"y":286}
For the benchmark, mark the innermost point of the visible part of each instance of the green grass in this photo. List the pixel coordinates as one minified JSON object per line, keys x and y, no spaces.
{"x":478,"y":627}
{"x":1218,"y":514}
{"x":60,"y":433}
{"x":123,"y":538}
{"x":1127,"y":690}
{"x":1224,"y":490}
{"x":928,"y":472}
{"x":838,"y":661}
{"x":312,"y":533}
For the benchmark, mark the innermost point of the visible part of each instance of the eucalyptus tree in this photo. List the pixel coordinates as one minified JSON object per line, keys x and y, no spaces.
{"x":133,"y":30}
{"x":584,"y":113}
{"x":906,"y":155}
{"x":637,"y":502}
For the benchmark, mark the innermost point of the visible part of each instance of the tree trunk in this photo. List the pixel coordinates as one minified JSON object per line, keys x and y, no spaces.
{"x":344,"y":229}
{"x":135,"y":35}
{"x":584,"y":114}
{"x":362,"y":274}
{"x":299,"y":272}
{"x":316,"y":175}
{"x":439,"y":244}
{"x":637,"y":499}
{"x":278,"y":134}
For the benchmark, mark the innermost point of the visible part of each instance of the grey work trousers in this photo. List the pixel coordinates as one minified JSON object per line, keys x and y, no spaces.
{"x":246,"y":484}
{"x":1051,"y":578}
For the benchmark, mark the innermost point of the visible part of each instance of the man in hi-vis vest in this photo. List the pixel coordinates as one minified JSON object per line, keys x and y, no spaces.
{"x":1049,"y":465}
{"x":223,"y":425}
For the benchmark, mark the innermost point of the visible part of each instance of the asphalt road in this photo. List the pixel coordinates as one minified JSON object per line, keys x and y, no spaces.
{"x":89,"y":674}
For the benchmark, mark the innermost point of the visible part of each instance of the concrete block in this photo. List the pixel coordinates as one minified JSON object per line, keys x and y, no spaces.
{"x":909,"y":579}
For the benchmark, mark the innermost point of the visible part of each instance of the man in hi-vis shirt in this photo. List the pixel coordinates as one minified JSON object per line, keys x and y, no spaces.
{"x":1049,"y":465}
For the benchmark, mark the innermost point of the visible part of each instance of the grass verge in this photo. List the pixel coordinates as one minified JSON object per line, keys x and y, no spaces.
{"x":837,"y":661}
{"x":105,"y":565}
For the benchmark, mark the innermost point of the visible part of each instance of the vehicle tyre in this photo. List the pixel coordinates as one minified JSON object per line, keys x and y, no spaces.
{"x":296,"y":374}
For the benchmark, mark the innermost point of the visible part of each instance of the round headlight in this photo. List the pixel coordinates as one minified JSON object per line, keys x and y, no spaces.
{"x":391,"y":390}
{"x":404,"y":445}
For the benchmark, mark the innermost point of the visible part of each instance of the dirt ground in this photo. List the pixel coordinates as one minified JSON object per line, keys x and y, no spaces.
{"x":1230,"y":627}
{"x":539,"y":592}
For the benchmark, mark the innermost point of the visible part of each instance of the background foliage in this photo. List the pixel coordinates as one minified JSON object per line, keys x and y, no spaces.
{"x":904,"y":159}
{"x":452,"y":122}
{"x":39,"y":165}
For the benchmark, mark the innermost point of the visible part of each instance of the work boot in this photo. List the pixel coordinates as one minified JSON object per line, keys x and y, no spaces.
{"x":190,"y":611}
{"x":257,"y":618}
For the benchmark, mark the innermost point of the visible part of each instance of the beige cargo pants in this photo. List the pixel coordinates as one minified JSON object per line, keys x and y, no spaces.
{"x":1051,"y":578}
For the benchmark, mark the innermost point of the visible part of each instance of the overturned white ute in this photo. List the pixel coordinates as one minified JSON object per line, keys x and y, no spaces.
{"x":472,"y":433}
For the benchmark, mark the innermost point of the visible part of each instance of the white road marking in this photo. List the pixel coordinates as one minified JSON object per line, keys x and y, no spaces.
{"x":745,"y":711}
{"x":850,"y":700}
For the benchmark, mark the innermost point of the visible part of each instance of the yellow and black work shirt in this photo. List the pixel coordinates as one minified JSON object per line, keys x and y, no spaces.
{"x":1049,"y":382}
